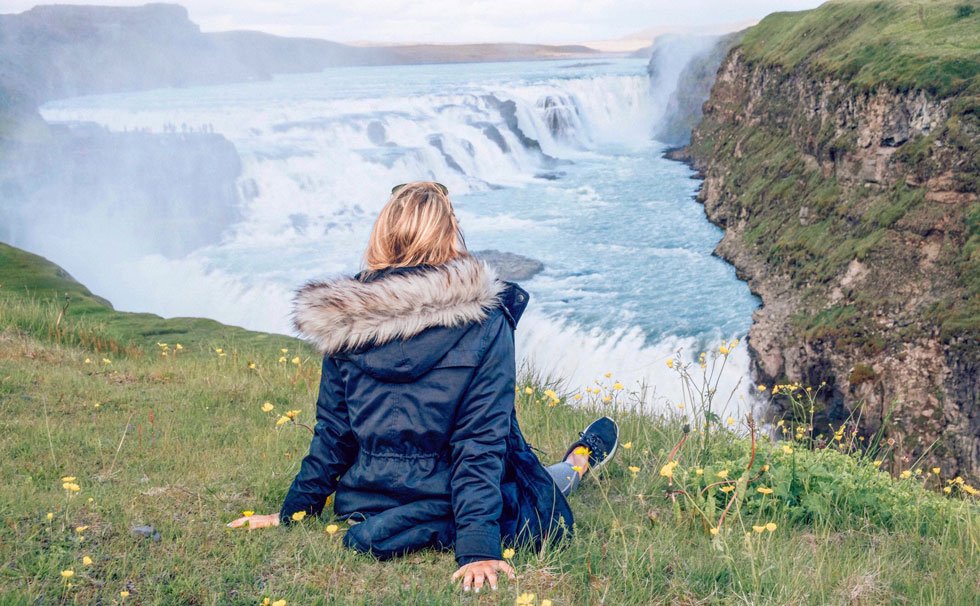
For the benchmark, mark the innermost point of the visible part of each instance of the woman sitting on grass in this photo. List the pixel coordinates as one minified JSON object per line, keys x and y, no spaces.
{"x":416,"y":430}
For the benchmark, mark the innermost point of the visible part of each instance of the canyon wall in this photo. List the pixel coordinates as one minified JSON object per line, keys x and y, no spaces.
{"x":847,"y":189}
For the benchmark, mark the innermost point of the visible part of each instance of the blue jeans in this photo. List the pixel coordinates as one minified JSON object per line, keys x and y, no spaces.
{"x":564,"y":476}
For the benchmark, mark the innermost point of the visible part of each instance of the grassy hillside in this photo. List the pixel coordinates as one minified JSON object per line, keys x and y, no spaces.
{"x":180,"y":442}
{"x":905,"y":44}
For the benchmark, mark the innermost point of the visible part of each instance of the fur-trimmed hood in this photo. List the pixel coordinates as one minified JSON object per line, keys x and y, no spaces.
{"x":374,"y":308}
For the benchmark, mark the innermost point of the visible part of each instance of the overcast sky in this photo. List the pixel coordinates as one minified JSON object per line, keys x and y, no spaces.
{"x":452,"y":21}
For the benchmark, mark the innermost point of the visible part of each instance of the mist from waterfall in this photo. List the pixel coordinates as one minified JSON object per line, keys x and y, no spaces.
{"x":550,"y":159}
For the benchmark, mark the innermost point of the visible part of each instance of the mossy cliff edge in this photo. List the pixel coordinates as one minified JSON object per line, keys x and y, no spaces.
{"x":839,"y":153}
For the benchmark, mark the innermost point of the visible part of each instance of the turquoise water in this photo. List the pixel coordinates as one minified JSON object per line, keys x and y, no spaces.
{"x":552,"y":160}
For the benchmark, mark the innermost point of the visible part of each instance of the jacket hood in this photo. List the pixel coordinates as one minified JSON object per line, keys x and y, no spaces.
{"x":368,"y":315}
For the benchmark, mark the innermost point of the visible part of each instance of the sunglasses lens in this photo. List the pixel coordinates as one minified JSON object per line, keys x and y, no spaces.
{"x":442,"y":188}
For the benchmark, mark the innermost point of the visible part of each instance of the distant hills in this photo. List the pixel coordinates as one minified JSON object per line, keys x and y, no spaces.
{"x":57,"y":51}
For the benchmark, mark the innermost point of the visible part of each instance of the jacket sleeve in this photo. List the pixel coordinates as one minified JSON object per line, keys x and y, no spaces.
{"x":478,"y":444}
{"x":332,"y":450}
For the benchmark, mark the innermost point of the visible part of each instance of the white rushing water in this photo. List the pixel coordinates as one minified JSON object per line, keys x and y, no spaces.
{"x":552,"y":160}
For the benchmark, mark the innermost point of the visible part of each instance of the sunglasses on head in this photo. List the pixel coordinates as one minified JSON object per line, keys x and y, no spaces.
{"x":442,"y":188}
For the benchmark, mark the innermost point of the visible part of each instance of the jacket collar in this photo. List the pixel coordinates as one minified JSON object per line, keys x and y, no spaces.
{"x":396,"y":303}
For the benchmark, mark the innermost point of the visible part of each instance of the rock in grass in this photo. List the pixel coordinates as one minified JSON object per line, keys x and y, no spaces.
{"x":146,"y":531}
{"x":510,"y":266}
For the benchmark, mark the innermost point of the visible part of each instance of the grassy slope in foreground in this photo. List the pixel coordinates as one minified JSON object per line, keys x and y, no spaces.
{"x":180,"y":442}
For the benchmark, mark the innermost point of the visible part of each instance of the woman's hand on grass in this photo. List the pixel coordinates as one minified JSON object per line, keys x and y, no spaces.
{"x":475,"y":573}
{"x":254,"y":521}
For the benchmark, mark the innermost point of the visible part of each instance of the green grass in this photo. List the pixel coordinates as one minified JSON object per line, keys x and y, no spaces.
{"x":901,"y":44}
{"x":180,"y":442}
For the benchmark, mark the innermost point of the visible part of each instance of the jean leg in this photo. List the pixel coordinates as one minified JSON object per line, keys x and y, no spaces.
{"x":565,"y":477}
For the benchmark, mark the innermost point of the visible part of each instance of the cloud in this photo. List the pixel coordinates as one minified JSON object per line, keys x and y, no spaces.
{"x":455,"y":21}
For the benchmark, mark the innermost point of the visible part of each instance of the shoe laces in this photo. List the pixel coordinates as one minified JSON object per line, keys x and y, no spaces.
{"x":594,"y":444}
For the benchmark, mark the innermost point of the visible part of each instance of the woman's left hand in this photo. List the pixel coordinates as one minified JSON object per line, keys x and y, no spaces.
{"x":256,"y":521}
{"x":475,"y":573}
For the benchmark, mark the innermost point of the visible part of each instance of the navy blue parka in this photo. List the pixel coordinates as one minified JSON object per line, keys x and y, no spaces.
{"x":416,"y":432}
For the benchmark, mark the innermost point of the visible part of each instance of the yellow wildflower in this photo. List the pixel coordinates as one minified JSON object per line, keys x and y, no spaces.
{"x":525,"y":599}
{"x":124,"y":594}
{"x":299,"y":515}
{"x":295,"y":360}
{"x":68,"y":479}
{"x":762,"y":387}
{"x":714,"y":531}
{"x":699,"y":472}
{"x":576,"y":468}
{"x":106,"y":361}
{"x":633,"y":469}
{"x":546,"y":602}
{"x":607,"y":375}
{"x":727,"y":488}
{"x":771,"y":527}
{"x":877,"y":463}
{"x":67,"y":574}
{"x":722,"y":474}
{"x":332,"y":528}
{"x":617,"y":385}
{"x":282,"y":421}
{"x":731,"y":421}
{"x":282,"y":359}
{"x":667,"y":470}
{"x":759,"y":528}
{"x":279,"y":603}
{"x":765,"y":467}
{"x":81,"y":528}
{"x":551,"y":394}
{"x":787,"y":449}
{"x":251,"y":365}
{"x":528,"y":390}
{"x":582,"y":450}
{"x":88,"y":361}
{"x":71,"y":486}
{"x":50,"y":516}
{"x":178,"y":347}
{"x":87,"y":560}
{"x":607,"y":399}
{"x":627,"y":445}
{"x":670,"y":362}
{"x":764,"y":490}
{"x":948,"y":489}
{"x":267,"y":407}
{"x":219,"y":350}
{"x":935,"y":470}
{"x":723,"y":350}
{"x":508,"y":554}
{"x":906,"y":474}
{"x":291,"y":414}
{"x":578,"y":396}
{"x":969,"y":490}
{"x":248,"y":513}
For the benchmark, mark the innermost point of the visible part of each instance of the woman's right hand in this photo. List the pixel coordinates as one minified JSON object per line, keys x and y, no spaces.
{"x":256,"y":521}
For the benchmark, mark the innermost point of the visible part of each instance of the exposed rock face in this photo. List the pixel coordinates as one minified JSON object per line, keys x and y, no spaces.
{"x":848,"y":210}
{"x":510,"y":266}
{"x":158,"y":193}
{"x":686,"y":66}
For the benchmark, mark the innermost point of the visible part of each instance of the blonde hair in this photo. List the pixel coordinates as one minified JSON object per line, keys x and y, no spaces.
{"x":417,"y":226}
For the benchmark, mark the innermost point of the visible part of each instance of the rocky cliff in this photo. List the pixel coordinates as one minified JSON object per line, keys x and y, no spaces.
{"x":68,"y":185}
{"x":839,"y":149}
{"x":683,"y":67}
